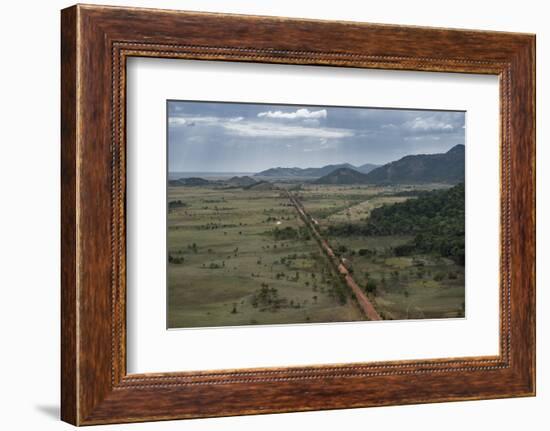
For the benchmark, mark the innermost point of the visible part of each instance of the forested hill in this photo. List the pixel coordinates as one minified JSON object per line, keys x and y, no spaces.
{"x":435,"y":218}
{"x":342,"y":176}
{"x":314,"y":172}
{"x":422,"y":168}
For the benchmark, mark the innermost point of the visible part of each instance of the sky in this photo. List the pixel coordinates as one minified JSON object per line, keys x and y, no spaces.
{"x":239,"y":137}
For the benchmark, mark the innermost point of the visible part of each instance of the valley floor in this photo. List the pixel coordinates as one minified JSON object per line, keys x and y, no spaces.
{"x":241,"y":257}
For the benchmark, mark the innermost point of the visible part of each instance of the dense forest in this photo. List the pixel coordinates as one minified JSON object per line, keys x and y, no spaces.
{"x":435,"y":218}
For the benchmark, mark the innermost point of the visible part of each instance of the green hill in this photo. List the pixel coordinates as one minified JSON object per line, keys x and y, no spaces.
{"x":343,"y":176}
{"x":422,"y":168}
{"x":367,"y":167}
{"x":243,"y":181}
{"x":261,"y":185}
{"x":308,"y":172}
{"x":192,"y":181}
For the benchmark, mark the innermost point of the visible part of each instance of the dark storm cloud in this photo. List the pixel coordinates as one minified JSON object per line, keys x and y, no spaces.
{"x":236,"y":137}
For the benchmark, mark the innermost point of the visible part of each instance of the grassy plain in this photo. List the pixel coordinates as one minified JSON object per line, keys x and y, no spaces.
{"x":227,"y":268}
{"x":400,"y":287}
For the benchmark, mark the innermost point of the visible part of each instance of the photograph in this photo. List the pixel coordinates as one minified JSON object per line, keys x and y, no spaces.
{"x":300,"y":214}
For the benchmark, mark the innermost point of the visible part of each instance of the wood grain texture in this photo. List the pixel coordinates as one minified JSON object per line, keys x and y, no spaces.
{"x":69,"y":366}
{"x":96,"y":41}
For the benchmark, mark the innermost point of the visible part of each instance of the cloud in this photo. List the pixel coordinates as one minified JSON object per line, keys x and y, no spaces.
{"x":264,"y":129}
{"x":298,"y":114}
{"x":311,"y":121}
{"x":257,"y":128}
{"x":232,"y":137}
{"x":422,"y":138}
{"x":177,"y":121}
{"x":433,"y":124}
{"x":428,"y":124}
{"x":191,"y":121}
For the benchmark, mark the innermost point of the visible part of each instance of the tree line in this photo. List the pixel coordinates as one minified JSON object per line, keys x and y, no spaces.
{"x":435,"y":218}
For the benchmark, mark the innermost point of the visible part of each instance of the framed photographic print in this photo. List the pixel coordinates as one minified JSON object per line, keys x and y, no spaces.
{"x":259,"y":216}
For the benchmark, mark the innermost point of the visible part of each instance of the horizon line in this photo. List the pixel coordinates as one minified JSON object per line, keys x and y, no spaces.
{"x":311,"y":167}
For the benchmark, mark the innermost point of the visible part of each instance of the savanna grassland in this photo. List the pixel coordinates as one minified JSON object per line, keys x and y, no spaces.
{"x":240,"y":255}
{"x":409,"y":262}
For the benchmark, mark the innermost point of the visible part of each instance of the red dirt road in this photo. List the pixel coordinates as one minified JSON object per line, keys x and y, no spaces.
{"x":364,"y":303}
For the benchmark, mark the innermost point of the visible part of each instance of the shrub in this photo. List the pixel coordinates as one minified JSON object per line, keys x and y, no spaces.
{"x":371,"y":286}
{"x":439,"y":276}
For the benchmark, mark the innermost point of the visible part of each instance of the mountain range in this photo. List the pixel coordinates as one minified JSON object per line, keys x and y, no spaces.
{"x":313,"y":172}
{"x":420,"y":168}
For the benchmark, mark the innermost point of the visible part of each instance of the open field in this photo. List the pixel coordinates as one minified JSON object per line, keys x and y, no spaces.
{"x":240,"y":256}
{"x":352,"y":203}
{"x":226,"y":266}
{"x":401,"y":287}
{"x":408,"y":287}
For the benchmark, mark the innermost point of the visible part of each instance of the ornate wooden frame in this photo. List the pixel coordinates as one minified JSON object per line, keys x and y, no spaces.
{"x":95,"y":42}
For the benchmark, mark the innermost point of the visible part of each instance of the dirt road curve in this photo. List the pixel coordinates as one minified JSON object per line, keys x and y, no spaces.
{"x":366,"y":306}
